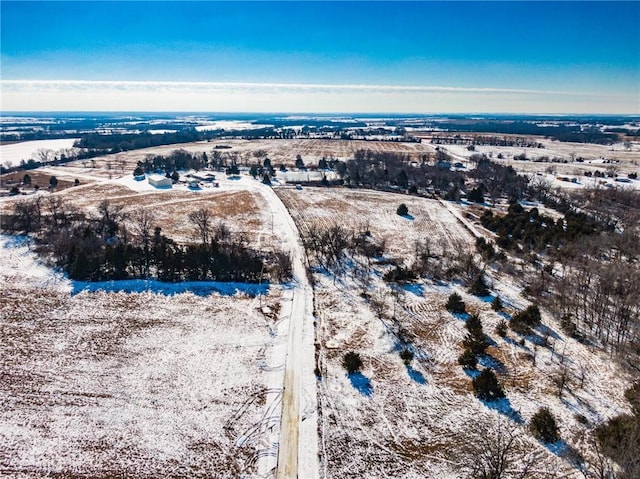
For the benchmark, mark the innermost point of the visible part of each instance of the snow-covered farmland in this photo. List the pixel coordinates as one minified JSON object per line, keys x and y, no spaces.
{"x":107,"y":384}
{"x":12,"y":153}
{"x":572,"y":161}
{"x":422,"y":419}
{"x":376,"y":211}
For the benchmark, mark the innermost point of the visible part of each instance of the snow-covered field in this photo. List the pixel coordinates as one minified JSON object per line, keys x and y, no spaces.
{"x":376,"y":211}
{"x":106,"y":384}
{"x":236,"y":203}
{"x":12,"y":153}
{"x":423,"y":420}
{"x":149,"y":380}
{"x":594,"y":158}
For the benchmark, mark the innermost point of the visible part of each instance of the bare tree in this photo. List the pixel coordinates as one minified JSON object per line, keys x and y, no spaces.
{"x":499,"y":452}
{"x":142,"y":225}
{"x":58,"y":211}
{"x":110,"y":216}
{"x":27,"y":215}
{"x":202,"y":221}
{"x":43,"y":155}
{"x":595,"y":464}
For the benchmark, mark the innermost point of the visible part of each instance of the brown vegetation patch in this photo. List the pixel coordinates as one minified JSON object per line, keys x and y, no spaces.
{"x":38,"y":177}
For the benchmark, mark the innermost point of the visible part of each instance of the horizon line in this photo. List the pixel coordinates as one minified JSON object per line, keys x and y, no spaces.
{"x":376,"y":115}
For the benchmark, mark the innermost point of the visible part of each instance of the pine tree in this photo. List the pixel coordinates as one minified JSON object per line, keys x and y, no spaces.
{"x":487,"y":387}
{"x":455,"y":304}
{"x":543,"y":426}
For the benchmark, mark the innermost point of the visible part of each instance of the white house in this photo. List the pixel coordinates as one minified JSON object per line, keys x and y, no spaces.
{"x":159,"y":181}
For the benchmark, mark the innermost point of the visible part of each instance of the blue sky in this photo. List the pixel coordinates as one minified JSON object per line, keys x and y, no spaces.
{"x":532,"y":56}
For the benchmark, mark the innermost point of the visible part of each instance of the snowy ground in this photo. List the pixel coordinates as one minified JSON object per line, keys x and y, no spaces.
{"x":271,"y":332}
{"x":424,"y":421}
{"x":12,"y":153}
{"x":107,"y":384}
{"x":615,"y":158}
{"x":134,"y":382}
{"x":376,"y":211}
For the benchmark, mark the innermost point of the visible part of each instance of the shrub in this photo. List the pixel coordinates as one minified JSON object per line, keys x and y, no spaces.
{"x":468,"y":359}
{"x":402,"y":210}
{"x":476,"y":195}
{"x":633,"y":396}
{"x":479,"y":287}
{"x":523,"y":321}
{"x":476,"y":342}
{"x":399,"y":275}
{"x":496,"y":304}
{"x":473,"y":324}
{"x":455,"y":304}
{"x":352,"y":362}
{"x":543,"y":426}
{"x":406,"y":355}
{"x":501,"y":328}
{"x":619,"y":439}
{"x":568,"y":326}
{"x":487,"y":387}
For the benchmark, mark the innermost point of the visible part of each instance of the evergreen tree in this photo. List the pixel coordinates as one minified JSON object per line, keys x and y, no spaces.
{"x":543,"y":426}
{"x":479,"y":287}
{"x":402,"y":210}
{"x":352,"y":362}
{"x":455,"y":304}
{"x":487,"y":387}
{"x":468,"y":359}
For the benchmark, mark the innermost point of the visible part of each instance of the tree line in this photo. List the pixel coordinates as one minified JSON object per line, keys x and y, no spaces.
{"x":115,"y":244}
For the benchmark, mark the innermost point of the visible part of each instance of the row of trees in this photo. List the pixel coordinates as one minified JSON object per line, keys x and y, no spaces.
{"x":116,"y":244}
{"x":488,"y":140}
{"x":529,"y":230}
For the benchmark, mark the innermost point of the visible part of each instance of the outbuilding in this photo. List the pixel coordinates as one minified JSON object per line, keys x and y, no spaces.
{"x":159,"y":181}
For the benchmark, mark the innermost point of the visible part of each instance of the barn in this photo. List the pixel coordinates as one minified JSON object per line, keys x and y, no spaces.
{"x":159,"y":181}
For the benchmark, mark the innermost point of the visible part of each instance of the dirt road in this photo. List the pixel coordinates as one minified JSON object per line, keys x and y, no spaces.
{"x":298,"y":449}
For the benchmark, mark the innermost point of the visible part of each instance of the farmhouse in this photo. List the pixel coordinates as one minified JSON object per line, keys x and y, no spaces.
{"x":159,"y":181}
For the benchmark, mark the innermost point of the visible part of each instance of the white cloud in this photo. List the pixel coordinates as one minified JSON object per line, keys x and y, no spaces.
{"x":78,"y":95}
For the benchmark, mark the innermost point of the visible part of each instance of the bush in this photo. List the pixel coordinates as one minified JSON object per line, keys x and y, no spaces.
{"x":399,"y":275}
{"x":496,"y":304}
{"x":352,"y":362}
{"x":455,"y":304}
{"x":501,"y":328}
{"x":523,"y":321}
{"x":543,"y":426}
{"x":487,"y":387}
{"x":402,"y":210}
{"x":633,"y":396}
{"x":479,"y":287}
{"x":406,"y":355}
{"x":468,"y":359}
{"x":619,"y":438}
{"x":568,"y":326}
{"x":476,"y":342}
{"x":473,"y":324}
